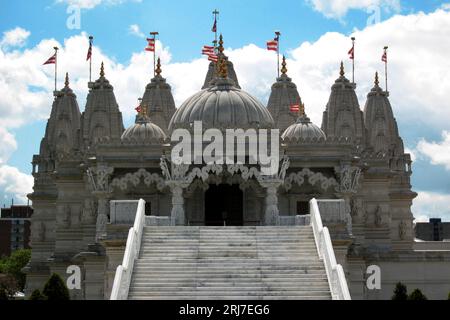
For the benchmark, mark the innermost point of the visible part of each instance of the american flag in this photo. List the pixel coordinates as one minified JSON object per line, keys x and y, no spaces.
{"x":272,"y":45}
{"x":138,"y":109}
{"x":214,"y":27}
{"x":151,"y":45}
{"x":384,"y":57}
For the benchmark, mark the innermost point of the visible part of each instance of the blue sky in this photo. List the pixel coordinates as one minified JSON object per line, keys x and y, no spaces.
{"x":185,"y":26}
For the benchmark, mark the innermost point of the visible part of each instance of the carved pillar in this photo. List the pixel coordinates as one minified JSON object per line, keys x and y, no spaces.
{"x":102,"y":215}
{"x":177,"y":215}
{"x":271,"y":213}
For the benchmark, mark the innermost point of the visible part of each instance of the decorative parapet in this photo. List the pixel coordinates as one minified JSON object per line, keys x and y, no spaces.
{"x":335,"y":272}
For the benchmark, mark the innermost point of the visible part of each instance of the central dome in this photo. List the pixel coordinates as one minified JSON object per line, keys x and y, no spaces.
{"x":222,"y":106}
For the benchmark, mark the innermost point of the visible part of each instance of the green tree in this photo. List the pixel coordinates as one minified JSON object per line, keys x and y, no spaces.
{"x":8,"y":286}
{"x":55,"y":289}
{"x":13,"y":265}
{"x":417,"y":295}
{"x":400,"y":292}
{"x":37,"y":295}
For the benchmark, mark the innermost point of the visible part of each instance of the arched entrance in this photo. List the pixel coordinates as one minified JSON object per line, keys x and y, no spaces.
{"x":224,"y":204}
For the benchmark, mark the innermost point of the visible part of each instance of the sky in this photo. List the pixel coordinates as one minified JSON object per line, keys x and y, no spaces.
{"x":315,"y":37}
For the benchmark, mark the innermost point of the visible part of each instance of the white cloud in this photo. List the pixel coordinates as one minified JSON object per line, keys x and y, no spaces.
{"x":339,"y":8}
{"x":14,"y":38}
{"x":135,"y":30}
{"x":412,"y":153}
{"x":8,"y":145}
{"x":14,"y":182}
{"x":437,"y":152}
{"x":431,"y":205}
{"x":90,"y":4}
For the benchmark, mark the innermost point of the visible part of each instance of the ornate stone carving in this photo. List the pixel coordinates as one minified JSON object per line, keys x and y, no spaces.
{"x":378,"y":216}
{"x":101,"y":180}
{"x":64,"y":216}
{"x":349,"y":179}
{"x":402,"y":230}
{"x":88,"y":215}
{"x":135,"y":178}
{"x":313,"y":178}
{"x":102,"y":217}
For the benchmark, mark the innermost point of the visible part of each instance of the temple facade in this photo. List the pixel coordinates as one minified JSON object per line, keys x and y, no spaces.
{"x":88,"y":161}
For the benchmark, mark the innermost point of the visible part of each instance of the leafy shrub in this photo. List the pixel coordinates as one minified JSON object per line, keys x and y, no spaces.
{"x":55,"y":289}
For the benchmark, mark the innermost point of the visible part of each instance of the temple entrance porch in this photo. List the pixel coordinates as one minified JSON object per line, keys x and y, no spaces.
{"x":224,"y":205}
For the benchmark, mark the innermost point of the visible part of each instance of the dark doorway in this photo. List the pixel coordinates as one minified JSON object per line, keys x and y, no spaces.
{"x":224,"y":203}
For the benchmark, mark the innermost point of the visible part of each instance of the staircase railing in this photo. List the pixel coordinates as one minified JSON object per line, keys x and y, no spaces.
{"x":122,"y":279}
{"x":335,"y":272}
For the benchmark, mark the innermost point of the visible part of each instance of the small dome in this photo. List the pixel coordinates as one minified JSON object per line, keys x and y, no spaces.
{"x":143,"y":131}
{"x":222,"y":106}
{"x":303,"y":129}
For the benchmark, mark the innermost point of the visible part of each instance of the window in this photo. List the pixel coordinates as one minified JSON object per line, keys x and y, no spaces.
{"x":302,"y":207}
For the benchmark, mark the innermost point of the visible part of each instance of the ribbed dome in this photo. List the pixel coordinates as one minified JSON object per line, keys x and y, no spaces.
{"x":143,"y":131}
{"x":303,"y":129}
{"x":222,"y":106}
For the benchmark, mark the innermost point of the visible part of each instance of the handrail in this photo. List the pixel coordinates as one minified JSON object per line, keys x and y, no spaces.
{"x":122,"y":279}
{"x":335,"y":272}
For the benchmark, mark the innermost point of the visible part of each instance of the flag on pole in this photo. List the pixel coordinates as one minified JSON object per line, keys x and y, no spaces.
{"x":351,"y":53}
{"x":207,"y":50}
{"x":214,"y":27}
{"x":272,"y":45}
{"x":51,"y":60}
{"x":295,"y":108}
{"x":384,"y":56}
{"x":138,"y":109}
{"x":213,"y":57}
{"x":89,"y":53}
{"x":151,"y":45}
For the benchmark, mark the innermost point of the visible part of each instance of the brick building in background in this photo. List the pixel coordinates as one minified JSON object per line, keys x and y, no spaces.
{"x":15,"y":228}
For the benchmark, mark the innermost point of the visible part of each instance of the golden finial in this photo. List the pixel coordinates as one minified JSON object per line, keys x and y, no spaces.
{"x":66,"y":82}
{"x":102,"y":70}
{"x":221,"y":43}
{"x":377,"y":82}
{"x":301,"y":109}
{"x":342,"y":73}
{"x":144,"y":110}
{"x":223,"y":67}
{"x":158,"y":67}
{"x":283,"y":65}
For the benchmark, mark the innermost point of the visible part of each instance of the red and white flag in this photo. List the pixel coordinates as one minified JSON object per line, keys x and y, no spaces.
{"x":351,"y":53}
{"x":213,"y":57}
{"x":89,"y":53}
{"x":272,"y":45}
{"x":207,"y":50}
{"x":138,"y":109}
{"x":51,"y":60}
{"x":384,"y":57}
{"x":151,"y":45}
{"x":295,"y":108}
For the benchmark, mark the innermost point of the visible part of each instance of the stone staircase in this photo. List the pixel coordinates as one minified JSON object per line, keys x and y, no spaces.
{"x":229,"y":263}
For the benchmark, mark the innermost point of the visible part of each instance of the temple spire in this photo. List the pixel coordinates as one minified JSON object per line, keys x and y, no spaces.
{"x":377,"y":82}
{"x":301,"y":110}
{"x":221,"y":49}
{"x":342,"y":72}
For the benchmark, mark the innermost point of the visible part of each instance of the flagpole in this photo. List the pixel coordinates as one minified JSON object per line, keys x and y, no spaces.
{"x":215,"y":13}
{"x":385,"y":68}
{"x":91,"y":40}
{"x":277,"y":33}
{"x":56,"y":67}
{"x":154,"y":33}
{"x":353,"y":64}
